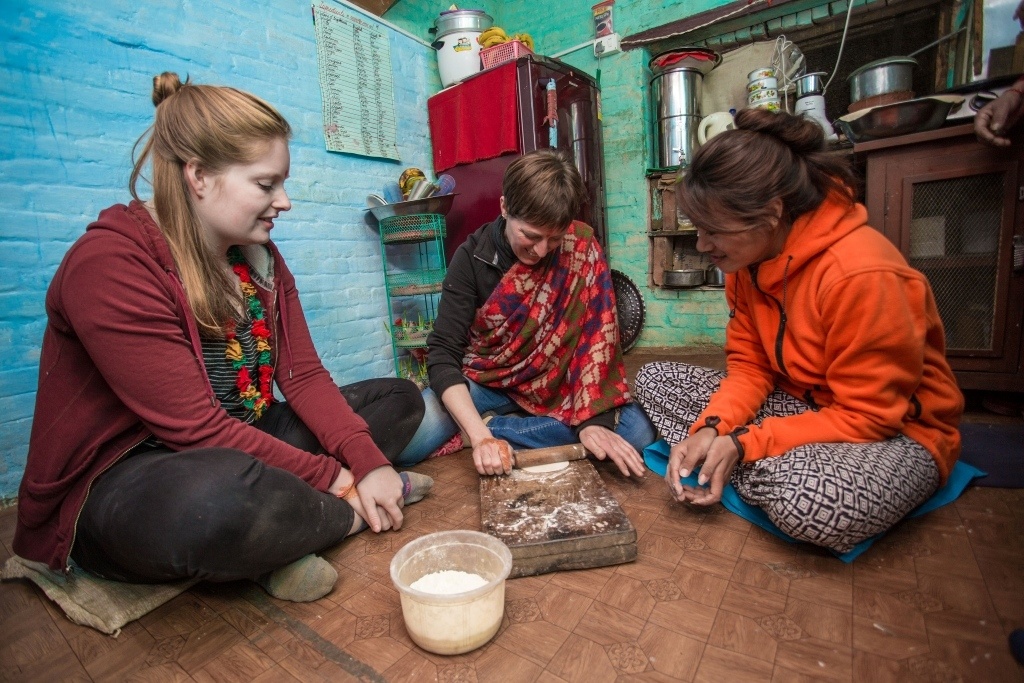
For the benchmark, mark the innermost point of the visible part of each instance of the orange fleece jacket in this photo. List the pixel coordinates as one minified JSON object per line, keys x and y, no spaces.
{"x":840,"y":320}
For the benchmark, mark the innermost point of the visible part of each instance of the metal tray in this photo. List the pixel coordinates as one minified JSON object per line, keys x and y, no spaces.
{"x":899,"y":118}
{"x":438,"y":204}
{"x":630,"y":305}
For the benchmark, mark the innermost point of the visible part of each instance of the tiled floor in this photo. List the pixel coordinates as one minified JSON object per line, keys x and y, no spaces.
{"x":710,"y":598}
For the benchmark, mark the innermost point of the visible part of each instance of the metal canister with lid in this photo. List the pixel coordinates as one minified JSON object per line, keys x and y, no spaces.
{"x":455,"y":39}
{"x":678,"y":77}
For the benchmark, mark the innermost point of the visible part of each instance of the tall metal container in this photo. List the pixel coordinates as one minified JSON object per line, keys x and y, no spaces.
{"x":678,"y":77}
{"x":676,"y":94}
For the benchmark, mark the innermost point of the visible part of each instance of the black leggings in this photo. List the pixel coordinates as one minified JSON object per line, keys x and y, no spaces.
{"x":220,"y":514}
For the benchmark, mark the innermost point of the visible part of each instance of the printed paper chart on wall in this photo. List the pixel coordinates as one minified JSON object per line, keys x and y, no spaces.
{"x":354,"y":58}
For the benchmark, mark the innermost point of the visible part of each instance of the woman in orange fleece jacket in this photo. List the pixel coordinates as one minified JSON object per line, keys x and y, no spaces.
{"x":838,"y":412}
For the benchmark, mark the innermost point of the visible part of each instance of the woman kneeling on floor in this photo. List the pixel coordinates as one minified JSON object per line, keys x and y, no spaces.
{"x":525,"y":348}
{"x":158,"y":451}
{"x":837,"y":414}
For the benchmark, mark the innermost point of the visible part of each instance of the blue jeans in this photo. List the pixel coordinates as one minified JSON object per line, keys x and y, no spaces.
{"x":528,"y":431}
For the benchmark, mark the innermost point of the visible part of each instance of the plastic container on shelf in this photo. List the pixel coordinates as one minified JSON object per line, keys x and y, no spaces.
{"x":453,"y":623}
{"x":504,"y":52}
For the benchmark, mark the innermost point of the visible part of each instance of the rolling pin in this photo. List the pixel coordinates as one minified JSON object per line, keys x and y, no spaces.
{"x":545,"y":456}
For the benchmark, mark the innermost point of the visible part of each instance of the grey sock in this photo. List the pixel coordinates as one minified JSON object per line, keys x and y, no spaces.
{"x":304,"y":580}
{"x":416,"y":486}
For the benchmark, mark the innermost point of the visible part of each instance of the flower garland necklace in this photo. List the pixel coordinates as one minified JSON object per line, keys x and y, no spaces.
{"x":256,"y":400}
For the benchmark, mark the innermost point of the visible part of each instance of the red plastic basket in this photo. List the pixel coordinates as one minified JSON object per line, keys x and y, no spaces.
{"x":505,"y":52}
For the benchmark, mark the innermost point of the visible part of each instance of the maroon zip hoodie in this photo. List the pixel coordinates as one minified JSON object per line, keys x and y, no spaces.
{"x":121,"y":360}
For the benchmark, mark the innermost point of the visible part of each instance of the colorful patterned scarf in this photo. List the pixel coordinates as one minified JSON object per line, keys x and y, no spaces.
{"x":548,"y":335}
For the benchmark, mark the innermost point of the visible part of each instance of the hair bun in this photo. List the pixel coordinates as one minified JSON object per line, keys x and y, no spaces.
{"x":165,"y":85}
{"x":802,"y":135}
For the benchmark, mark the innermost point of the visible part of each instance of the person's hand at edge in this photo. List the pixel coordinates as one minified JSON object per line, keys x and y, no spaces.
{"x":993,"y":123}
{"x":606,"y":444}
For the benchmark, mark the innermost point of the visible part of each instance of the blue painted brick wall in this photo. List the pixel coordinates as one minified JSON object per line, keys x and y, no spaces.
{"x":75,"y":81}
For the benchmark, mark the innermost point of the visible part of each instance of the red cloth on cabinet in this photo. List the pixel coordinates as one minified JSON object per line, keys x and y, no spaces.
{"x":475,"y":120}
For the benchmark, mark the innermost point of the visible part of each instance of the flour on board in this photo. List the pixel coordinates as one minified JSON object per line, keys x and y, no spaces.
{"x":550,"y":467}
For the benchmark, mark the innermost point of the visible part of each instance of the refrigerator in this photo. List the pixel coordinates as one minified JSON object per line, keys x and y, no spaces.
{"x":479,"y":126}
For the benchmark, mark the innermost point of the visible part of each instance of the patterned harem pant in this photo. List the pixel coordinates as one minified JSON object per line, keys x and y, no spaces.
{"x":830,"y":494}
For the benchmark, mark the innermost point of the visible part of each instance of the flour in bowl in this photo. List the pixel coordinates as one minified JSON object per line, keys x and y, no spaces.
{"x":448,"y":582}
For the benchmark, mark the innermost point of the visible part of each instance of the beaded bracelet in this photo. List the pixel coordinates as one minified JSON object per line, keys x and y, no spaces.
{"x":343,"y":493}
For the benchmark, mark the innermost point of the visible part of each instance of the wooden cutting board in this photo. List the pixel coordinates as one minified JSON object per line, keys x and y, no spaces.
{"x":557,"y":520}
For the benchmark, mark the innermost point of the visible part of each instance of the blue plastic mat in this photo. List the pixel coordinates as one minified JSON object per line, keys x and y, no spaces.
{"x":656,"y":457}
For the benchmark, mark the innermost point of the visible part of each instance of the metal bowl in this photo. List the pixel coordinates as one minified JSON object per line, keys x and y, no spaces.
{"x":687,"y":277}
{"x":439,"y":204}
{"x":900,"y":118}
{"x":811,"y":84}
{"x":882,"y":76}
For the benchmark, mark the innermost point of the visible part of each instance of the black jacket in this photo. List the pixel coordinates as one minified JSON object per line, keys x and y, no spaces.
{"x":475,"y":270}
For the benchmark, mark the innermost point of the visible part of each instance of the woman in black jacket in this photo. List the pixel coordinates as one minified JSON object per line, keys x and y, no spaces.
{"x":525,"y":348}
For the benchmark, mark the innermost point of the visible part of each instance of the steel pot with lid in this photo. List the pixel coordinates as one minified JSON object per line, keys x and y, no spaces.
{"x":678,"y":77}
{"x":461,"y":20}
{"x":881,"y":77}
{"x":458,"y":51}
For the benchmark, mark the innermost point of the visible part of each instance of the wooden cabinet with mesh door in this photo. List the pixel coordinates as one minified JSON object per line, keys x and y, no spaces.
{"x":953,"y":206}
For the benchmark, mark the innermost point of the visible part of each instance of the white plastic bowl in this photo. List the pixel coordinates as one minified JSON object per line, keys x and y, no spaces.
{"x":459,"y":622}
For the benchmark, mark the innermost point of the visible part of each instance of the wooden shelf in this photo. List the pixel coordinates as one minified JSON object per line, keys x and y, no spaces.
{"x":915,"y":138}
{"x":672,"y":233}
{"x":698,"y":288}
